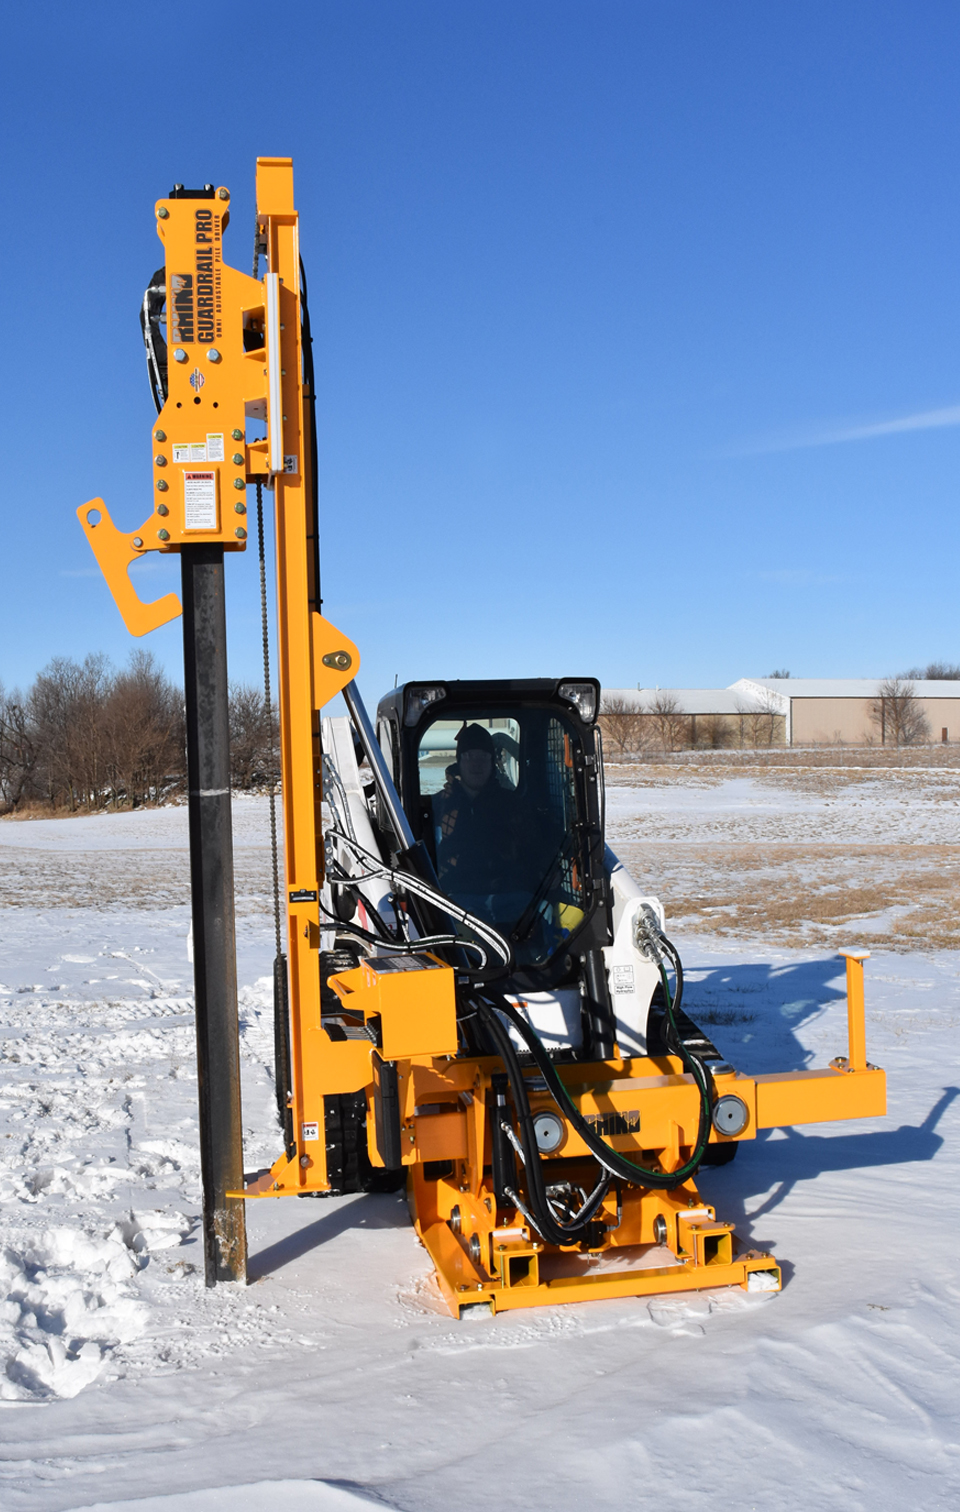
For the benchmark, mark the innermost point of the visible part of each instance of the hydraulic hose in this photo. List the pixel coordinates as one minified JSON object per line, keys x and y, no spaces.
{"x":537,"y":1211}
{"x":486,"y":933}
{"x":618,"y":1165}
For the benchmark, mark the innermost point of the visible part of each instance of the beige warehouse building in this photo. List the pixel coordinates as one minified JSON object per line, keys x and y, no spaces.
{"x":824,"y":710}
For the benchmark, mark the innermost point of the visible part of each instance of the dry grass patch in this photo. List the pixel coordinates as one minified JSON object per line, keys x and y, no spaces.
{"x":808,"y":895}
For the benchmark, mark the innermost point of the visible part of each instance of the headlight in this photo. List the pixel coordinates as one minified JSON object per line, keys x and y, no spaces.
{"x":419,"y":699}
{"x":583,"y":696}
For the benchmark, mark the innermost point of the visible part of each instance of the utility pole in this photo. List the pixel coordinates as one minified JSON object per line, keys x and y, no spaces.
{"x":214,"y":929}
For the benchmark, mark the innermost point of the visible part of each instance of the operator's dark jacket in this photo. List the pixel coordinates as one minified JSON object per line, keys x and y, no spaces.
{"x":477,"y":837}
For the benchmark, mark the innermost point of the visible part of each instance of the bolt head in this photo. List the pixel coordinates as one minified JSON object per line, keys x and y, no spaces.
{"x":164,"y":535}
{"x":213,"y":355}
{"x":240,"y":508}
{"x":162,"y":509}
{"x":160,"y":460}
{"x":237,"y":435}
{"x":239,"y":483}
{"x":159,"y":435}
{"x":179,"y":355}
{"x":240,"y":533}
{"x":138,"y":541}
{"x":238,"y":459}
{"x":223,"y":194}
{"x":341,"y":661}
{"x":162,"y":485}
{"x":163,"y":213}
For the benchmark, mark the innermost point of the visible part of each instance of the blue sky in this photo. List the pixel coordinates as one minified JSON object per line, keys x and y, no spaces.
{"x":636,"y":323}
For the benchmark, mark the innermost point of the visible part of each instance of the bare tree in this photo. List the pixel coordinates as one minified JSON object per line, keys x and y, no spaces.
{"x":897,"y":713}
{"x":764,"y":717}
{"x":713,"y":731}
{"x":669,"y":723}
{"x":935,"y":671}
{"x":254,"y":736}
{"x":143,"y":726}
{"x":621,"y":722}
{"x":780,"y":673}
{"x":758,"y":719}
{"x":66,"y":709}
{"x":85,"y":736}
{"x":744,"y":711}
{"x":18,"y":749}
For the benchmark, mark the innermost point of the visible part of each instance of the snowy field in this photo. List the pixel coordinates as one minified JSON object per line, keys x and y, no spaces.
{"x":123,"y":1381}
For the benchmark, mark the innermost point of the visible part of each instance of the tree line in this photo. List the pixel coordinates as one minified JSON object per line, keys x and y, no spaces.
{"x":630,"y":725}
{"x":86,"y":736}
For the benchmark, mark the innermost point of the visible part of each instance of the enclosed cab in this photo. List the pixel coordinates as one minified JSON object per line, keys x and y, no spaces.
{"x":502,"y":783}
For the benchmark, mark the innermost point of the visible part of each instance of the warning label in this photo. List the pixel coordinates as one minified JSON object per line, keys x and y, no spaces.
{"x":193,"y":451}
{"x":623,"y":979}
{"x":214,"y":448}
{"x":309,"y":1131}
{"x":199,"y":501}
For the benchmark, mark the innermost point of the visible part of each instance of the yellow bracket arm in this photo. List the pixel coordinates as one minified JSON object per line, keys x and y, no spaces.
{"x":114,"y":552}
{"x":336,"y":660}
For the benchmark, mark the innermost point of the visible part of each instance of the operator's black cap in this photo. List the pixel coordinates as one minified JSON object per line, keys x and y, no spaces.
{"x":474,"y":738}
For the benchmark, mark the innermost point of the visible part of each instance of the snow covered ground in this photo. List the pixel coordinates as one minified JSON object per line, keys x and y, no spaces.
{"x":809,"y":858}
{"x":123,"y":1381}
{"x":857,"y":806}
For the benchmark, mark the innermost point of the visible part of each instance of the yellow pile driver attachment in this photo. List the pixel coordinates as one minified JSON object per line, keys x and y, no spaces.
{"x":453,"y":1122}
{"x":408,"y":1046}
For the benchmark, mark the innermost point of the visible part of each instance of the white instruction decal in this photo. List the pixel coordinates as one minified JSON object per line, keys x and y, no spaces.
{"x":214,"y":448}
{"x":308,"y":1132}
{"x":189,"y":451}
{"x":623,"y":979}
{"x":199,"y":501}
{"x":290,"y":465}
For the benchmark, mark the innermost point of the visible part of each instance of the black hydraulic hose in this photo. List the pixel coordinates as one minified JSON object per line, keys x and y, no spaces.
{"x":392,"y":936}
{"x":398,"y":947}
{"x":677,"y":964}
{"x":151,"y":315}
{"x":551,"y":1228}
{"x":541,"y":1215}
{"x":387,"y":935}
{"x":618,"y":1165}
{"x":311,"y":382}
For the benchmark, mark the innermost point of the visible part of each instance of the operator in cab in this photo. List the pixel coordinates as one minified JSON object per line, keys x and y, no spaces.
{"x":476,"y":830}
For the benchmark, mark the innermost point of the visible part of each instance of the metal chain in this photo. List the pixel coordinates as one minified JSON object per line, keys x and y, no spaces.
{"x":269,"y":708}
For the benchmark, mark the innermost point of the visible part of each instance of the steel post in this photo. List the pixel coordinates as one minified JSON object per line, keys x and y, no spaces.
{"x":212,"y":898}
{"x":856,"y":1014}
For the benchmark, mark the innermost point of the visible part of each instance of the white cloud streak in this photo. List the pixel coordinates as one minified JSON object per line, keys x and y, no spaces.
{"x":836,"y":435}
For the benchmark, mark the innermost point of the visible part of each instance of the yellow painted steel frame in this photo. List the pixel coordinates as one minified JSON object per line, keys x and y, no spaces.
{"x":646,"y":1241}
